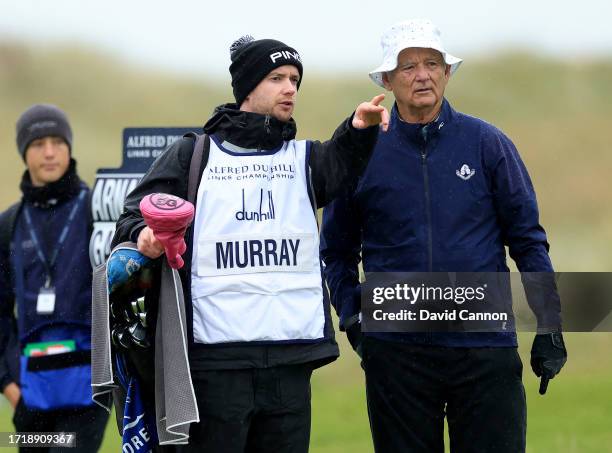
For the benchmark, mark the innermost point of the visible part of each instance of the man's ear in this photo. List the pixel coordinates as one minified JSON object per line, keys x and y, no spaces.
{"x":386,"y":82}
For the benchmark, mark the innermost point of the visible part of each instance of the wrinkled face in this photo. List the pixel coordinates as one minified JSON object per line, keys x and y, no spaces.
{"x":47,"y":159}
{"x":419,"y":80}
{"x":275,"y":95}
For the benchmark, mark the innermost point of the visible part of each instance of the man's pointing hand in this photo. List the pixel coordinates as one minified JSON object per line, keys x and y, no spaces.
{"x":371,"y":113}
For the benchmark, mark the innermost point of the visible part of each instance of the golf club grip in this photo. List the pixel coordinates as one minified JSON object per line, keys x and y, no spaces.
{"x":543,"y":385}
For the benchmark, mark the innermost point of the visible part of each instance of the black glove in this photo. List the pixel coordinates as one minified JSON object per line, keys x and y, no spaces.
{"x":548,"y":355}
{"x":355,"y":337}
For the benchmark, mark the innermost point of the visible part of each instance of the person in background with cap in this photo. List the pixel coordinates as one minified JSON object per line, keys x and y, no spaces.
{"x":443,"y":192}
{"x":259,"y":321}
{"x":45,"y":278}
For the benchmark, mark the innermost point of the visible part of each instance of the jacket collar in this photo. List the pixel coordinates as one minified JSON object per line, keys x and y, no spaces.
{"x":249,"y":130}
{"x":422,"y":133}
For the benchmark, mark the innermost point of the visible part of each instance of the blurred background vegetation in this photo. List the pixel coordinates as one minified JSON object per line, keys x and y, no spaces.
{"x":558,"y":113}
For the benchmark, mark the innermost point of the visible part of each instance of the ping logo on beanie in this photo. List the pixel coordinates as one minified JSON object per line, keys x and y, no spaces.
{"x":286,"y":55}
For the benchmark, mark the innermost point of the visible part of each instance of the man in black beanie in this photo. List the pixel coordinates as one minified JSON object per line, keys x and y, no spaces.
{"x":45,"y":273}
{"x":253,"y":60}
{"x":257,"y":314}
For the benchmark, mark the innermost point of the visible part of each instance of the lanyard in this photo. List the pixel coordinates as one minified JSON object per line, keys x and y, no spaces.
{"x":41,"y":256}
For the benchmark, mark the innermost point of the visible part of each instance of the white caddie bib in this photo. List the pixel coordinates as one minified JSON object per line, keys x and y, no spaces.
{"x":255,"y":273}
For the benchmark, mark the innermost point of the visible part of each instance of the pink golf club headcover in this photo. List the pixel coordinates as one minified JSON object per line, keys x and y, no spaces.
{"x":169,"y":217}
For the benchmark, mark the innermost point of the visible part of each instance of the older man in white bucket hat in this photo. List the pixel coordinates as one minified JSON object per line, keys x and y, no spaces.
{"x":443,"y":194}
{"x":418,"y":93}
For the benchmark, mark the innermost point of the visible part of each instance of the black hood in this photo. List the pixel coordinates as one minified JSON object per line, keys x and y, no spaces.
{"x":249,"y":130}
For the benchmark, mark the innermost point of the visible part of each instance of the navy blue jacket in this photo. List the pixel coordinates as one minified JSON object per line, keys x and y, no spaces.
{"x":444,"y":197}
{"x":71,"y":279}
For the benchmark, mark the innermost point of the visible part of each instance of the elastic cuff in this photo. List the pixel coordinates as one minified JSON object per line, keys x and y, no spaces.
{"x":346,"y":325}
{"x":135,"y":232}
{"x":547,"y":330}
{"x":4,"y":381}
{"x":365,"y":130}
{"x":349,"y":313}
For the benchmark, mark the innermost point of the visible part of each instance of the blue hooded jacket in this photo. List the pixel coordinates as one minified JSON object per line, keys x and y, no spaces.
{"x":442,"y":197}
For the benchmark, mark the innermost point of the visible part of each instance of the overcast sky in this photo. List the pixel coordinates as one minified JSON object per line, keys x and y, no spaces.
{"x":194,"y":36}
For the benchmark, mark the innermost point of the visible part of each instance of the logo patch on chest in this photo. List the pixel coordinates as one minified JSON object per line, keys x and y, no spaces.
{"x":465,"y":172}
{"x":262,"y":210}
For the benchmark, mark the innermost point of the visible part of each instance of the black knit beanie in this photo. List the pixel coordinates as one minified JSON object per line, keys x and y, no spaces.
{"x":253,"y":60}
{"x":42,"y":120}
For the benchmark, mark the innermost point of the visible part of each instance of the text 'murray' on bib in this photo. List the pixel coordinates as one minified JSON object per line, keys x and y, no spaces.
{"x":232,"y":254}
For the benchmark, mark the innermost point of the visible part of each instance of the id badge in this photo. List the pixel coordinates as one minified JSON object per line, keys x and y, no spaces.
{"x":45,"y":305}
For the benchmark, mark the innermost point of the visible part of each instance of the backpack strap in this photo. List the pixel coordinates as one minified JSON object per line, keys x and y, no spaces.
{"x":201,"y":151}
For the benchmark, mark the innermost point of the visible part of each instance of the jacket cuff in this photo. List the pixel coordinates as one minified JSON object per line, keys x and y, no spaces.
{"x":349,"y":313}
{"x":135,"y":231}
{"x":4,"y":381}
{"x":363,"y":131}
{"x":548,"y":330}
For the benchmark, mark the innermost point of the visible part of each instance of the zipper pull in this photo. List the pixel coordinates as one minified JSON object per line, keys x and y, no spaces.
{"x":267,"y":124}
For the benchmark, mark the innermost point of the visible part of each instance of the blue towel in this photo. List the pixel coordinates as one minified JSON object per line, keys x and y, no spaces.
{"x":139,"y":431}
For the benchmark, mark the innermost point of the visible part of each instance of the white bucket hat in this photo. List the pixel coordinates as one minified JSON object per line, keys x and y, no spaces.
{"x":410,"y":33}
